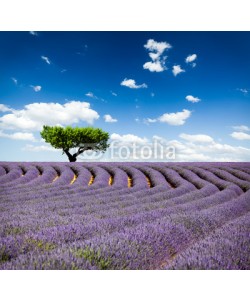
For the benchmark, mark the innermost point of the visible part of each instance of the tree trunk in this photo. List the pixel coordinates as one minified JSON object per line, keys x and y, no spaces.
{"x":72,"y":158}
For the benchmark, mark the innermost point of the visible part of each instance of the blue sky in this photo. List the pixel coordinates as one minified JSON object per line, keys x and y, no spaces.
{"x":189,"y":89}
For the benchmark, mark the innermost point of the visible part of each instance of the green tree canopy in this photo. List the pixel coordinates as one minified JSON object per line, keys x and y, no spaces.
{"x":85,"y":138}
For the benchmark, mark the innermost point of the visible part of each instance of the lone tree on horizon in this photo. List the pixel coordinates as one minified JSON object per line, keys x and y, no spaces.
{"x":84,"y":138}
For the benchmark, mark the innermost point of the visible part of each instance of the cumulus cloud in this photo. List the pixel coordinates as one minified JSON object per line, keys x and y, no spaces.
{"x":241,"y":128}
{"x":240,"y":136}
{"x":35,"y":115}
{"x":46,"y":59}
{"x":156,"y":50}
{"x":4,"y":108}
{"x":109,"y":119}
{"x":175,"y":119}
{"x":25,"y":136}
{"x":201,"y":148}
{"x":177,"y":70}
{"x":196,"y":138}
{"x":130,"y":83}
{"x":36,"y":88}
{"x":192,"y":99}
{"x":128,"y":138}
{"x":40,"y":148}
{"x":191,"y":58}
{"x":155,"y":66}
{"x":157,"y":47}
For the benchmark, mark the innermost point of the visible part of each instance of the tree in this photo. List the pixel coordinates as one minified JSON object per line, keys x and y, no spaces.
{"x":86,"y":138}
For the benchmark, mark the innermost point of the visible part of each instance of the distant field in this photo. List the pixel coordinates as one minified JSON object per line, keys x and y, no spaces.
{"x":124,"y":215}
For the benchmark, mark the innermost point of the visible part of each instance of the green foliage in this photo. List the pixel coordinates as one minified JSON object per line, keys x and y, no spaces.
{"x":4,"y":255}
{"x":44,"y":246}
{"x":93,"y":257}
{"x":85,"y":138}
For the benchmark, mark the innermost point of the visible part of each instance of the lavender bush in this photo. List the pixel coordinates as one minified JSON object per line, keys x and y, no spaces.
{"x":124,"y":216}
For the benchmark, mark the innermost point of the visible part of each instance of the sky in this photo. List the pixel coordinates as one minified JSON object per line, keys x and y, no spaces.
{"x":184,"y":90}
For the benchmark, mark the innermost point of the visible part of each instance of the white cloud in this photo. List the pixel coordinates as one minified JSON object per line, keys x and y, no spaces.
{"x":156,"y":50}
{"x":241,"y":128}
{"x":191,"y":58}
{"x":4,"y":108}
{"x":46,"y":59}
{"x":109,"y":119}
{"x":90,"y":95}
{"x":193,"y":99}
{"x":240,"y":136}
{"x":36,"y":88}
{"x":25,"y":136}
{"x":128,"y":138}
{"x":152,"y":94}
{"x":177,"y":70}
{"x":148,"y":120}
{"x":130,"y":83}
{"x":156,"y":66}
{"x":41,"y":148}
{"x":33,"y":33}
{"x":196,"y":138}
{"x":35,"y":115}
{"x":175,"y":119}
{"x":244,"y":91}
{"x":202,"y":148}
{"x":14,"y":80}
{"x":157,"y":47}
{"x":113,"y":93}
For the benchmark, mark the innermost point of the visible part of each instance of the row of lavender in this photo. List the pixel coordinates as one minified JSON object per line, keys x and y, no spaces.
{"x":125,"y":216}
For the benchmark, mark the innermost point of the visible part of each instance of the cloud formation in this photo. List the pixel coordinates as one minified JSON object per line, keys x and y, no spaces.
{"x":130,"y":83}
{"x":177,"y":70}
{"x":33,"y":116}
{"x":156,"y":49}
{"x":244,"y":91}
{"x":4,"y":108}
{"x":240,"y":136}
{"x":128,"y":138}
{"x":14,"y":80}
{"x":36,"y":88}
{"x":40,"y":148}
{"x":90,"y":95}
{"x":148,"y":120}
{"x":241,"y":128}
{"x":24,"y":136}
{"x":33,"y":33}
{"x":155,"y":66}
{"x":46,"y":59}
{"x":196,"y":138}
{"x":175,"y":119}
{"x":192,"y":99}
{"x":109,"y":119}
{"x":191,"y":58}
{"x":193,"y":147}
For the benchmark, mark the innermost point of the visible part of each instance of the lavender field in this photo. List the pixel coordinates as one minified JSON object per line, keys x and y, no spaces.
{"x":125,"y":216}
